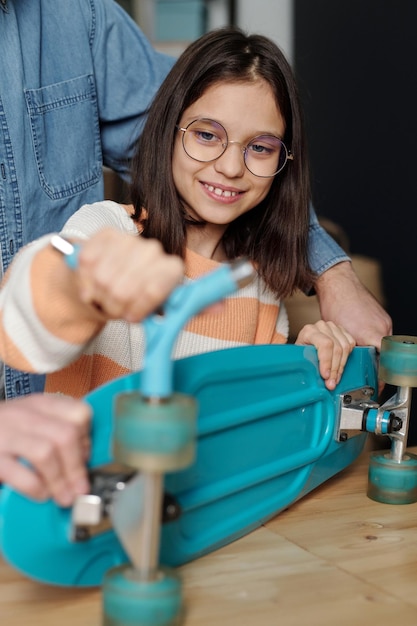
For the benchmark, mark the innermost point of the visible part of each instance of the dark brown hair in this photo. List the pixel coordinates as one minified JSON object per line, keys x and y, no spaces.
{"x":274,"y":234}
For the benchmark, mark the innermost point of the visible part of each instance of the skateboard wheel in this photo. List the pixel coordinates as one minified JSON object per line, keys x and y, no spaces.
{"x":128,"y":600}
{"x":390,"y":481}
{"x":398,"y":360}
{"x":155,"y":437}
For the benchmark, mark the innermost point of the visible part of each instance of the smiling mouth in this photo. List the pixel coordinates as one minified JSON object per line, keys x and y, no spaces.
{"x":224,"y":193}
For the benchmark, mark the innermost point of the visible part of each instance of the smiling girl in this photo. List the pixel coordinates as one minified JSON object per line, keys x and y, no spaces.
{"x":220,"y":172}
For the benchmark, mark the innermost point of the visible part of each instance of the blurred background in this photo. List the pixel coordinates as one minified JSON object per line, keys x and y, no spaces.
{"x":355,"y":64}
{"x":171,"y":24}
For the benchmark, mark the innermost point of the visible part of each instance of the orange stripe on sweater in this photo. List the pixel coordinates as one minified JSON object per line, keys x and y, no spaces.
{"x":84,"y":375}
{"x":279,"y":338}
{"x":244,"y":320}
{"x":267,"y":323}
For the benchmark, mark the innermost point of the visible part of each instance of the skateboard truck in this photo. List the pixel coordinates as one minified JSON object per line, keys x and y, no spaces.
{"x":154,"y":433}
{"x":359,"y":413}
{"x":392,"y":475}
{"x":91,"y":513}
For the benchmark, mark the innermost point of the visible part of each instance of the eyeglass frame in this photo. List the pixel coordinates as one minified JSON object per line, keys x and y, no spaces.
{"x":288,"y":154}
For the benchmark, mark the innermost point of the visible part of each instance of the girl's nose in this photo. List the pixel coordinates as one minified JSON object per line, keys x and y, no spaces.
{"x":231,"y":163}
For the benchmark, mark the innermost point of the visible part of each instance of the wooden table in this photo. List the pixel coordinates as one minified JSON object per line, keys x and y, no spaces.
{"x":335,"y":558}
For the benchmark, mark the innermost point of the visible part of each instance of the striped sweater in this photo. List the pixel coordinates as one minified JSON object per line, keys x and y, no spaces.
{"x":42,"y":332}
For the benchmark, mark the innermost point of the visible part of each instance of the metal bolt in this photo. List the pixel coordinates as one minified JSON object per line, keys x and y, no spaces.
{"x":81,"y":534}
{"x":171,"y":510}
{"x":395,"y":423}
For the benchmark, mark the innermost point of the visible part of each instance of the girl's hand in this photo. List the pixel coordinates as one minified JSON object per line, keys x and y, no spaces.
{"x":333,"y":343}
{"x":126,"y":277}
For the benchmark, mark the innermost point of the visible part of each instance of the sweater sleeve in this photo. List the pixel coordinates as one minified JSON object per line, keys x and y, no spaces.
{"x":42,"y":328}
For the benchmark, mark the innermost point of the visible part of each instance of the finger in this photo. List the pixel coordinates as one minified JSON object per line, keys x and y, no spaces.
{"x":22,"y":478}
{"x":76,"y":442}
{"x":99,"y":264}
{"x":328,"y":352}
{"x":45,"y":463}
{"x":52,"y":435}
{"x":347,"y":344}
{"x":160,"y":283}
{"x":340,"y":352}
{"x":319,"y":336}
{"x":343,"y":344}
{"x":59,"y":457}
{"x":58,"y":406}
{"x":129,"y":285}
{"x":136,"y":297}
{"x":333,"y":347}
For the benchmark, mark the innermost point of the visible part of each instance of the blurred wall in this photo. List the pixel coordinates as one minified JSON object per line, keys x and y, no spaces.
{"x":355,"y":62}
{"x":273,"y":18}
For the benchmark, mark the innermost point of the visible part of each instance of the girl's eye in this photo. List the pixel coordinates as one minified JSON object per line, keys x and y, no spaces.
{"x":267,"y":146}
{"x":206,"y":136}
{"x":259,"y":148}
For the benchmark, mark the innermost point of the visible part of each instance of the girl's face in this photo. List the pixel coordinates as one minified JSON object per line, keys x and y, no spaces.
{"x":218,"y":191}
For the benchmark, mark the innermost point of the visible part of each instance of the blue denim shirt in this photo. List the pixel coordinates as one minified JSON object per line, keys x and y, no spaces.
{"x":323,"y":251}
{"x":76,"y":79}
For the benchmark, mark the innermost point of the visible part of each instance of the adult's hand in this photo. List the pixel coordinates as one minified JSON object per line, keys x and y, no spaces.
{"x":345,"y":301}
{"x":51,"y":433}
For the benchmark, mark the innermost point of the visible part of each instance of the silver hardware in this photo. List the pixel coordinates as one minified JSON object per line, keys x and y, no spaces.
{"x":353,"y":405}
{"x":91,"y":512}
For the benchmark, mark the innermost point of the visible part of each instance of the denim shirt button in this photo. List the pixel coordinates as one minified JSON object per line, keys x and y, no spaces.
{"x":17,"y":387}
{"x":11,"y":247}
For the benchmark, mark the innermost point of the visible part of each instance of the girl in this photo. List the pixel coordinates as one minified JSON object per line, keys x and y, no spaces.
{"x":220,"y":172}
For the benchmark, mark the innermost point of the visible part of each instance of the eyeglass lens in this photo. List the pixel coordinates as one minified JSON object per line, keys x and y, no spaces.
{"x":206,"y":140}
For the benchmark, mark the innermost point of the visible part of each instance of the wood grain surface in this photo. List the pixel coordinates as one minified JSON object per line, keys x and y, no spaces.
{"x":335,"y":558}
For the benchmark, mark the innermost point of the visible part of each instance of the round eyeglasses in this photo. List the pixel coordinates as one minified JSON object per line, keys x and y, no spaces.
{"x":206,"y":140}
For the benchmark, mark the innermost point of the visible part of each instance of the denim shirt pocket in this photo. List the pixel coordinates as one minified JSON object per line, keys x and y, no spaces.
{"x":66,"y":136}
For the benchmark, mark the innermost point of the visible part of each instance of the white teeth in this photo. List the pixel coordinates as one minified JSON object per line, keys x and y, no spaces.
{"x":221,"y":192}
